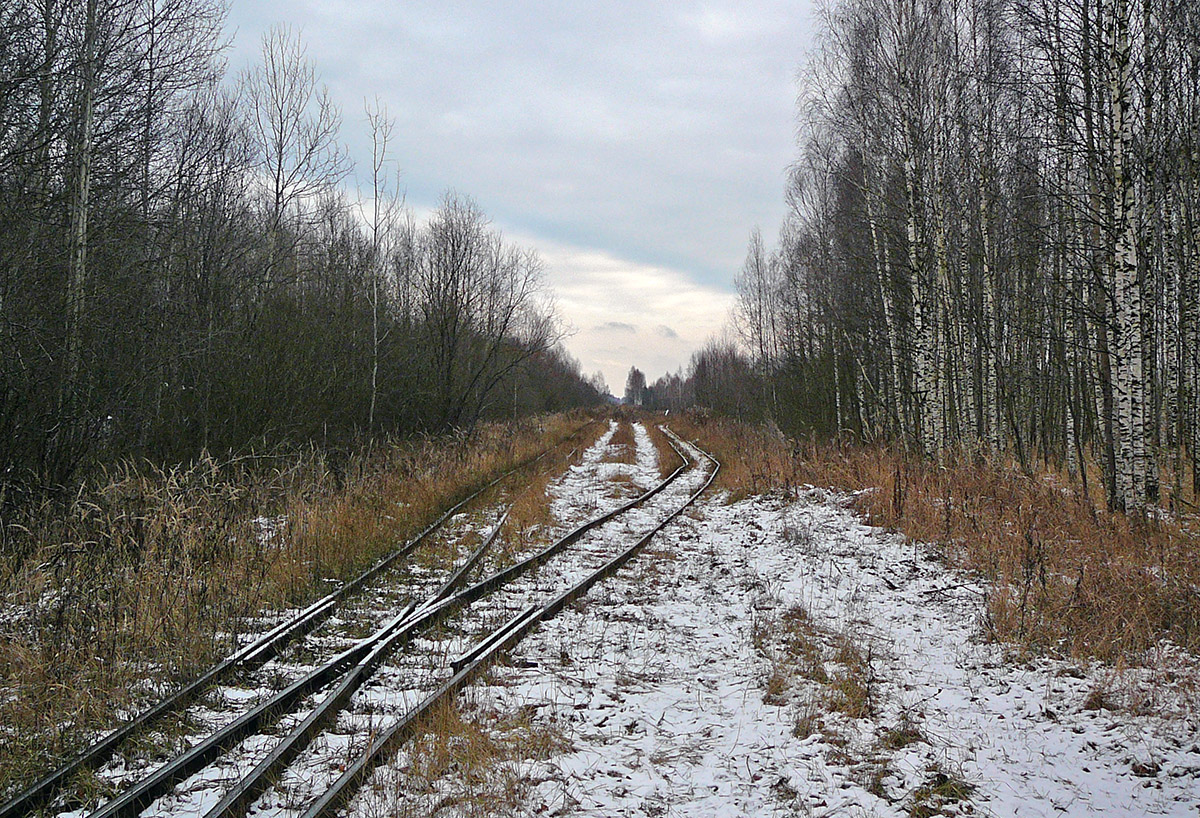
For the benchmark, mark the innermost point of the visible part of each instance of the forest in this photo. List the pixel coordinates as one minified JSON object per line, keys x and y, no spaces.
{"x":185,"y":265}
{"x":993,"y":245}
{"x":305,"y":507}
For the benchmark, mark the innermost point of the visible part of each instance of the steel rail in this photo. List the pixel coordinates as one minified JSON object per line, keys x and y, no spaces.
{"x":355,"y":662}
{"x":392,"y":738}
{"x":251,"y":655}
{"x":358,"y":662}
{"x":382,"y":643}
{"x":238,"y":799}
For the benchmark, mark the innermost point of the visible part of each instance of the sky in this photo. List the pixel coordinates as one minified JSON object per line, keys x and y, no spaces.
{"x":633,"y":143}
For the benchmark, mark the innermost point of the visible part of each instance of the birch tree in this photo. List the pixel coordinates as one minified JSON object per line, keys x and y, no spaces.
{"x":993,"y":236}
{"x":296,"y":126}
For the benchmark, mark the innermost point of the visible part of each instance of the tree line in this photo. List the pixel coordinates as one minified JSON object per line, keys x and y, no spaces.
{"x":182,"y":268}
{"x":993,"y":244}
{"x":719,"y":377}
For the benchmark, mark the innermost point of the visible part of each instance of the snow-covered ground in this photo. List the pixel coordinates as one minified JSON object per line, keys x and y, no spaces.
{"x":598,"y":483}
{"x":773,"y":656}
{"x":660,"y":691}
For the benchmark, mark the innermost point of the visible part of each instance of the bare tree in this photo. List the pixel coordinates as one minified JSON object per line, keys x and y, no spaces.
{"x":635,"y":387}
{"x":480,"y":308}
{"x":296,"y":127}
{"x":384,"y":208}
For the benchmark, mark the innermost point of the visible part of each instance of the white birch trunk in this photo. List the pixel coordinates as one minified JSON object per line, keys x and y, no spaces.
{"x":1129,"y":386}
{"x":883,"y":277}
{"x":991,"y":331}
{"x":923,"y":317}
{"x":941,"y":331}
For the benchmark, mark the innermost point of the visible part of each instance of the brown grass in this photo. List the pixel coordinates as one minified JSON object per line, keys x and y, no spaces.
{"x":1067,"y":578}
{"x":142,"y":580}
{"x":939,"y":795}
{"x":467,"y":761}
{"x":803,"y":656}
{"x":668,"y":461}
{"x":754,"y":459}
{"x":622,"y":446}
{"x":531,"y":525}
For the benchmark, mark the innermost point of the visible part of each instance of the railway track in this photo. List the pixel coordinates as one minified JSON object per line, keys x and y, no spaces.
{"x":304,"y":747}
{"x":339,"y":606}
{"x":337,"y":793}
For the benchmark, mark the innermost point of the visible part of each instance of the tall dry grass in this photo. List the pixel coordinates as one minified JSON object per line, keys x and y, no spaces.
{"x":468,"y":758}
{"x":1067,"y":578}
{"x":147,"y":575}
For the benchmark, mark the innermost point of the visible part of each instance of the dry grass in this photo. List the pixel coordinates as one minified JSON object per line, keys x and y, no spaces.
{"x":939,"y":795}
{"x":754,"y":459}
{"x":622,"y":446}
{"x":470,"y":762}
{"x":531,"y":525}
{"x":1067,"y":578}
{"x":668,"y":461}
{"x":818,"y":671}
{"x":144,"y":578}
{"x":828,"y":682}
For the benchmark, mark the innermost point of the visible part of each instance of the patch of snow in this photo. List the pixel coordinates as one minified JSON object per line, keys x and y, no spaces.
{"x":660,"y":690}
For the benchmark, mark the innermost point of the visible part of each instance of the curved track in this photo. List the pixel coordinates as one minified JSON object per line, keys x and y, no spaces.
{"x":338,"y":792}
{"x":247,"y":660}
{"x":305,"y":746}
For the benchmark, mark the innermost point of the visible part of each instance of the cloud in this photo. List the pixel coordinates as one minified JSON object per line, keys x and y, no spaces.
{"x":615,"y":298}
{"x":634,"y":144}
{"x":616,"y":326}
{"x":717,"y":25}
{"x":659,"y":133}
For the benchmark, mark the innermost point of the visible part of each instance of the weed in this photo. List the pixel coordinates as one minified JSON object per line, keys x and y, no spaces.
{"x":1097,"y":699}
{"x":776,"y":686}
{"x":871,"y":774}
{"x":622,"y":446}
{"x":470,"y":758}
{"x":906,"y":733}
{"x":849,"y":694}
{"x":1067,"y":577}
{"x":147,"y":575}
{"x":938,"y":794}
{"x":808,"y":720}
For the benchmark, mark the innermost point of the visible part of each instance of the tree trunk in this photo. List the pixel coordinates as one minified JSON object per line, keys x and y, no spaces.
{"x":77,"y":273}
{"x":1130,"y":403}
{"x":883,"y":276}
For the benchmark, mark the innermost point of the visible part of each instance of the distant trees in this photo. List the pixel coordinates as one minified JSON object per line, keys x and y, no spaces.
{"x":671,"y":392}
{"x":993,"y":239}
{"x":180,"y":266}
{"x":598,"y":383}
{"x":635,"y":387}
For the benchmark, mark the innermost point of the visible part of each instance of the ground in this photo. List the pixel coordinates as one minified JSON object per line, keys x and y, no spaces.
{"x":769,"y":656}
{"x":776,"y":656}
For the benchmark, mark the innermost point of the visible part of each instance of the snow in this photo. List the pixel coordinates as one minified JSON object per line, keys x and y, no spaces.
{"x":595,"y":484}
{"x":670,"y":691}
{"x":660,"y":690}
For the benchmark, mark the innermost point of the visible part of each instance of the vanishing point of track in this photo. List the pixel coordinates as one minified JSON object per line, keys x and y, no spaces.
{"x":429,"y":649}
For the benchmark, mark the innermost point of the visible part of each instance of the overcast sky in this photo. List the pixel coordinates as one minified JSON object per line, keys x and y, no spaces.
{"x":633,"y":143}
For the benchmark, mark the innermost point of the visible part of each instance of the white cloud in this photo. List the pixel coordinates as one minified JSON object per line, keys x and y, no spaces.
{"x":620,"y":311}
{"x":658,"y":132}
{"x":717,"y":24}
